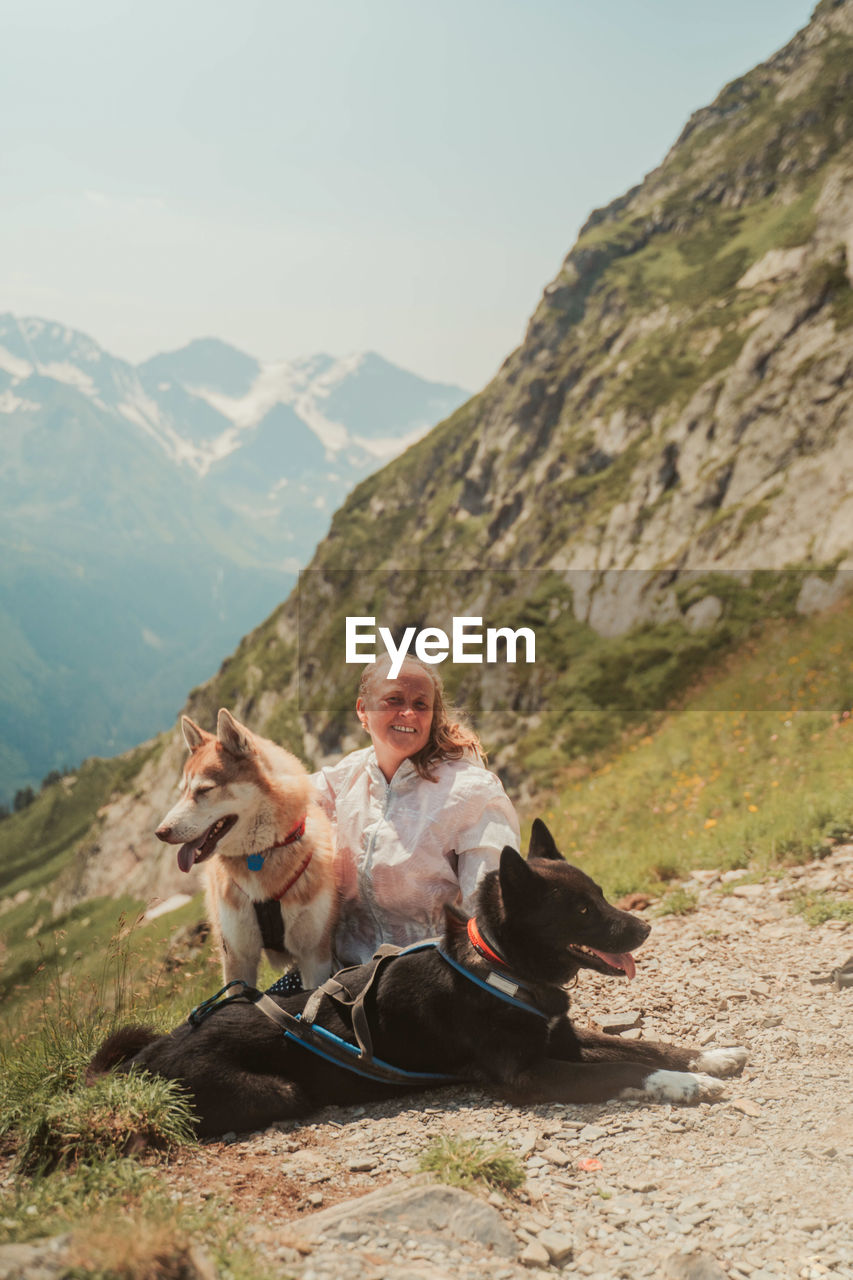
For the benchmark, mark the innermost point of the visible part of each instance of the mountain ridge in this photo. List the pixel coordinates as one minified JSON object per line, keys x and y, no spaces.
{"x":146,"y":566}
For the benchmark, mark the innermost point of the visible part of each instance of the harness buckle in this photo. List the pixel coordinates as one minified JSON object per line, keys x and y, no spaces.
{"x":502,"y":984}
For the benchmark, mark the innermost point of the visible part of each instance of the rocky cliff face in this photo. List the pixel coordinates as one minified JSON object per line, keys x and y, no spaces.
{"x":682,"y":405}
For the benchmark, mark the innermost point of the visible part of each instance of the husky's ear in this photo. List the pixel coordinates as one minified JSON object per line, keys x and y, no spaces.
{"x":542,"y":843}
{"x":194,"y":737}
{"x":234,"y":736}
{"x":518,"y":880}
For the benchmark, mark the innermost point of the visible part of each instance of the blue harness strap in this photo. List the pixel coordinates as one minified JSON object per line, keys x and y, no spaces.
{"x":358,"y":1058}
{"x":360,"y":1066}
{"x":490,"y":984}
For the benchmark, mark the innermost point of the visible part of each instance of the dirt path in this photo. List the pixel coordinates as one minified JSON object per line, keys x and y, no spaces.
{"x":758,"y":1185}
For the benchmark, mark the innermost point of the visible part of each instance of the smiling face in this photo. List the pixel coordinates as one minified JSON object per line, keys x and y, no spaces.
{"x":398,"y":715}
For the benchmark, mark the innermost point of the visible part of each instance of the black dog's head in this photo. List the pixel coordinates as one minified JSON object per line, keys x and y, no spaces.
{"x":549,"y":919}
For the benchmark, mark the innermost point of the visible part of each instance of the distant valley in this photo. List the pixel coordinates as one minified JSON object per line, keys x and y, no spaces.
{"x":151,"y":515}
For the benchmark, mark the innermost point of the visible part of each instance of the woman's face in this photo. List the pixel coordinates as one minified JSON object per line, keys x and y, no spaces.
{"x":398,"y":716}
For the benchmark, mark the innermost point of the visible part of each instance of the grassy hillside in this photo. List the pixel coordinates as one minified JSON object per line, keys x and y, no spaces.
{"x":755,"y":768}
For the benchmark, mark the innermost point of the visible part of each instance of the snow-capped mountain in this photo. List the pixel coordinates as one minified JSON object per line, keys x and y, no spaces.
{"x":151,"y":515}
{"x":204,"y":401}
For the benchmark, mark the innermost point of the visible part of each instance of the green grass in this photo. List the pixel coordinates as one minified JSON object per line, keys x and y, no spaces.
{"x":46,"y":957}
{"x":118,"y":1115}
{"x":755,"y":769}
{"x":37,"y":843}
{"x":678,"y":902}
{"x":123,"y":1225}
{"x":464,"y":1162}
{"x":54,"y":1118}
{"x":817,"y":907}
{"x":72,"y":1142}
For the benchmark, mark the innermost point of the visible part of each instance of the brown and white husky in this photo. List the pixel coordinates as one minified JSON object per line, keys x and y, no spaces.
{"x":248,"y":806}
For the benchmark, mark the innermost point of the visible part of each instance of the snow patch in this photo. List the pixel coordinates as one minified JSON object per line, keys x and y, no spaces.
{"x":10,"y":403}
{"x":14,"y":364}
{"x":387,"y":447}
{"x":64,"y":371}
{"x":290,"y":383}
{"x":143,"y":412}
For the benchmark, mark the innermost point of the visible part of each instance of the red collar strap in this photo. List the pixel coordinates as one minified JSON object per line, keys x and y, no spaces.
{"x":296,"y":834}
{"x":292,"y":881}
{"x":255,"y":861}
{"x":479,"y":943}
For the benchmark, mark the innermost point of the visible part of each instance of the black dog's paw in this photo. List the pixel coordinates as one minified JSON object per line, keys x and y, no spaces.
{"x":677,"y":1086}
{"x":721,"y":1062}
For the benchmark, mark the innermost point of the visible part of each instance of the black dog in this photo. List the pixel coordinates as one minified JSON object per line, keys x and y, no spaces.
{"x":488,"y":1007}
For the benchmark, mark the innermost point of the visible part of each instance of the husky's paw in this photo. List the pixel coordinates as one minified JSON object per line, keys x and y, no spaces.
{"x":677,"y":1086}
{"x":721,"y":1062}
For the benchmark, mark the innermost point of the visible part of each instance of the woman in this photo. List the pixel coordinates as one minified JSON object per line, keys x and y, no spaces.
{"x":419,"y":819}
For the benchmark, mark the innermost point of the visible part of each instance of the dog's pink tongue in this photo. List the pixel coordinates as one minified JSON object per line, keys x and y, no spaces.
{"x":625,"y":961}
{"x":186,"y":855}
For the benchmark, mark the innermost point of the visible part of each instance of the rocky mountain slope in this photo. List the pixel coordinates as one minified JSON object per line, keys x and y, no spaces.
{"x":149,"y":516}
{"x":666,"y":458}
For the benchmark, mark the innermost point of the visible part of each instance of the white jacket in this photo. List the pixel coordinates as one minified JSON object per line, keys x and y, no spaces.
{"x":408,"y":846}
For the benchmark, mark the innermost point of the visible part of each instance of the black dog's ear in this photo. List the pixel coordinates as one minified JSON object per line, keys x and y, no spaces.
{"x":542,"y":843}
{"x":518,"y":880}
{"x":455,"y":921}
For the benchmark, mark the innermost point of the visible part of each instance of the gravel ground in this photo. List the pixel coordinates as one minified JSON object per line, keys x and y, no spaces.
{"x":755,"y":1186}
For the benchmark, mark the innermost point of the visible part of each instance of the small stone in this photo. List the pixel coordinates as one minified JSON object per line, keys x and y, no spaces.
{"x":527,"y":1142}
{"x":616,"y":1023}
{"x":746,"y":1106}
{"x":364,"y":1164}
{"x":531,"y":1226}
{"x":534,"y":1255}
{"x":697,"y":1265}
{"x":552,"y":1155}
{"x":640,"y":1185}
{"x":560,"y":1247}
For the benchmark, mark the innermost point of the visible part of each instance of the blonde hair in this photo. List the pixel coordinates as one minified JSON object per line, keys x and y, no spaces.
{"x":449,"y":738}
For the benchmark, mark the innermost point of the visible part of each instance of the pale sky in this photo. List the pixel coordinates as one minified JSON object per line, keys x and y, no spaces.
{"x":295,"y":176}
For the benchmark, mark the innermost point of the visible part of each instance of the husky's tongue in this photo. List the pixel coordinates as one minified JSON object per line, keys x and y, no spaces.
{"x":186,"y":853}
{"x":624,"y":961}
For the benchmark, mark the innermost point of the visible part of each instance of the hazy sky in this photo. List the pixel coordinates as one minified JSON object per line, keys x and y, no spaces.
{"x":335,"y":175}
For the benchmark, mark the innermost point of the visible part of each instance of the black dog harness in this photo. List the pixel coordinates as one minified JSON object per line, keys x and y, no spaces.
{"x":359,"y":1058}
{"x":268,"y":912}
